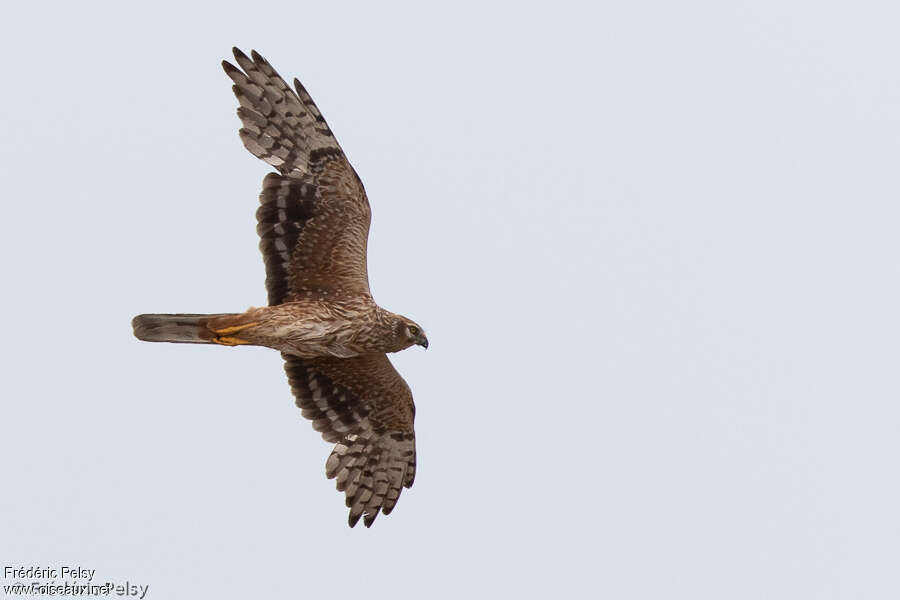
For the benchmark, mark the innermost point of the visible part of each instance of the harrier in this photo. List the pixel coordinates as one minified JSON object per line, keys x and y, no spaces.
{"x":313,"y":223}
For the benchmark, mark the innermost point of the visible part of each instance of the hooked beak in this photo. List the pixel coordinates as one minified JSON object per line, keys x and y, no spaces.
{"x":423,"y":341}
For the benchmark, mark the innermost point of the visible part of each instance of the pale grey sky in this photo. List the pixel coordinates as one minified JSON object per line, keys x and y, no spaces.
{"x":654,"y":246}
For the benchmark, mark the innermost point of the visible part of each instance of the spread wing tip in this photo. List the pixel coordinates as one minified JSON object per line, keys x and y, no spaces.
{"x":368,"y":519}
{"x":372,"y":473}
{"x":257,"y":57}
{"x":238,"y":54}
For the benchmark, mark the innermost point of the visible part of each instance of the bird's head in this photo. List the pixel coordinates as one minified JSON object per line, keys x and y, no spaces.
{"x":409,"y":333}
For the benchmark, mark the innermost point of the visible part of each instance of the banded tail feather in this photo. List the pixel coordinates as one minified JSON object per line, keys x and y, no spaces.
{"x":179,"y":328}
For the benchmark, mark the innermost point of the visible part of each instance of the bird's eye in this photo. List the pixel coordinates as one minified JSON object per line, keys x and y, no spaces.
{"x":413,"y":330}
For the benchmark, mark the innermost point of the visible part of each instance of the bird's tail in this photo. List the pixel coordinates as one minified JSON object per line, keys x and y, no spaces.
{"x":184,"y":329}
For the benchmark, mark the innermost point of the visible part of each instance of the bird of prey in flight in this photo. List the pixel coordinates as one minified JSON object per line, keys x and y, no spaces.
{"x":313,"y":223}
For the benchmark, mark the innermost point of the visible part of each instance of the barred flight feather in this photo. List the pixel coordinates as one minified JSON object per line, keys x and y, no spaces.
{"x":278,"y":126}
{"x":286,"y":205}
{"x":375,"y":454}
{"x":319,"y":201}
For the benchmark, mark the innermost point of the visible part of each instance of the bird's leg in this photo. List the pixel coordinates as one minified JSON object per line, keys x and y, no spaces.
{"x":225,"y":337}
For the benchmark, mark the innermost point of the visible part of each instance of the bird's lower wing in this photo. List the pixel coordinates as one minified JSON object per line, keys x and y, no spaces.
{"x":364,"y":405}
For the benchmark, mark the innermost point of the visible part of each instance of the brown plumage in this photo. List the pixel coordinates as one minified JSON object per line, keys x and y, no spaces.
{"x":313,"y":223}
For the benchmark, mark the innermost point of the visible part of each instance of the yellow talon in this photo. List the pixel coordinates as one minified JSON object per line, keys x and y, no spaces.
{"x":224,"y":337}
{"x":229,"y":341}
{"x":235,"y":328}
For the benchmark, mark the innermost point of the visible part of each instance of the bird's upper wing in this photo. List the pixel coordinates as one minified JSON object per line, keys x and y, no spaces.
{"x":313,"y":219}
{"x":364,"y":405}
